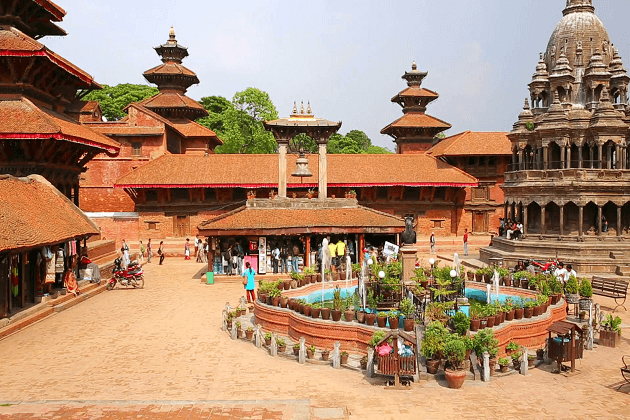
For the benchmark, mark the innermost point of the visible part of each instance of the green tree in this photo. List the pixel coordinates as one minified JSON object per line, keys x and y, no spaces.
{"x":377,"y":150}
{"x":355,"y":142}
{"x":113,"y":99}
{"x":217,"y":107}
{"x":303,"y":142}
{"x":243,"y":130}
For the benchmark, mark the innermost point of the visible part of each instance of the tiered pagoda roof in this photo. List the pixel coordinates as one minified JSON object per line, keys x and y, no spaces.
{"x":35,"y":17}
{"x":415,"y":130}
{"x":173,"y":80}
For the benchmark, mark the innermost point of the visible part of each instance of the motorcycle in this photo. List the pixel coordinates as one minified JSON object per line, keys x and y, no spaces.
{"x":132,"y":276}
{"x":546,"y":268}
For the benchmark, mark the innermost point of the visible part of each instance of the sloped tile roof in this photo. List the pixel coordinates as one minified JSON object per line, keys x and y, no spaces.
{"x":57,"y":12}
{"x":172,"y":100}
{"x":261,"y":171}
{"x":355,"y":218}
{"x":412,"y":120}
{"x":415,"y":92}
{"x":22,"y":119}
{"x":471,"y":143}
{"x":170,"y":68}
{"x":33,"y":213}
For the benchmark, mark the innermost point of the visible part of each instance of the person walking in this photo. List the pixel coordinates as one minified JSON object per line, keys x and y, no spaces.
{"x":187,"y":249}
{"x":250,"y":282}
{"x":432,"y":242}
{"x":197,"y":242}
{"x":332,"y":247}
{"x":160,"y":252}
{"x":466,"y":242}
{"x":142,"y":251}
{"x":240,"y":256}
{"x":149,"y":251}
{"x":275,"y":255}
{"x":284,"y":258}
{"x":295,"y":258}
{"x":340,"y":249}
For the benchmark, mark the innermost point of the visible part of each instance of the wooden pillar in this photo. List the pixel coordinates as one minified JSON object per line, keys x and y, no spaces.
{"x":562,"y":220}
{"x":618,"y":220}
{"x":600,"y":158}
{"x":282,"y":170}
{"x":545,"y":158}
{"x":525,"y":221}
{"x":579,"y":157}
{"x":361,"y":248}
{"x":543,"y":220}
{"x":307,"y":252}
{"x":599,"y":220}
{"x":581,"y":221}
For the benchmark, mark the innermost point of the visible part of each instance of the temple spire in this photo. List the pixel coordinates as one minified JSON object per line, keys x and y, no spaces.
{"x":575,"y":6}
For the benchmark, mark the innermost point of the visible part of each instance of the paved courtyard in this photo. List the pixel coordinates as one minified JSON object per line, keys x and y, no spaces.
{"x":159,"y":353}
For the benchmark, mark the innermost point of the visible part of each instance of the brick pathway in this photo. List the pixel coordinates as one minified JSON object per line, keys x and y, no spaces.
{"x":129,"y":353}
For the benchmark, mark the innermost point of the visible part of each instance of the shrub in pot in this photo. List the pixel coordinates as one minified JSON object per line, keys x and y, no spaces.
{"x":325,"y":313}
{"x":490,"y":313}
{"x":435,"y":336}
{"x":249,"y":333}
{"x":284,"y":301}
{"x":349,"y":313}
{"x":268,"y":339}
{"x":344,"y":357}
{"x":381,"y":319}
{"x":316,"y":309}
{"x":528,"y":307}
{"x":310,"y":352}
{"x":282,"y":345}
{"x":461,"y":323}
{"x":484,"y":341}
{"x":571,"y":290}
{"x":408,"y":309}
{"x":455,"y":353}
{"x":393,"y":319}
{"x":504,"y":362}
{"x":516,"y":360}
{"x":363,"y":362}
{"x":511,"y":347}
{"x":325,"y":354}
{"x":531,"y":359}
{"x":337,"y":304}
{"x":586,"y":293}
{"x":610,"y":333}
{"x":296,"y":349}
{"x":519,"y":311}
{"x":307,"y":309}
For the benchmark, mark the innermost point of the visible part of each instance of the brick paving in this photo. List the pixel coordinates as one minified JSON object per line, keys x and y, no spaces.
{"x":143,"y":353}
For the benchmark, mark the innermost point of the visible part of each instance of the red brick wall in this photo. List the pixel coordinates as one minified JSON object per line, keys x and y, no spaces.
{"x":118,"y":229}
{"x":413,"y":148}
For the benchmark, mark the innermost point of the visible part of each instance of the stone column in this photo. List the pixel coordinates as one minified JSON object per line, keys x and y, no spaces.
{"x":563,"y":154}
{"x":581,"y":221}
{"x":568,"y":157}
{"x":580,"y":158}
{"x":521,"y":160}
{"x":409,"y":254}
{"x":562,"y":220}
{"x":617,"y":156}
{"x":545,"y":158}
{"x":282,"y":170}
{"x":599,"y":221}
{"x":525,"y":227}
{"x":543,"y":220}
{"x":592,"y":157}
{"x":618,"y":221}
{"x":600,"y":156}
{"x":323,"y":172}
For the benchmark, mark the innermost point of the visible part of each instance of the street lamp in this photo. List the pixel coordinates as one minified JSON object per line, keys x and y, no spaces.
{"x":453,"y":274}
{"x":381,"y":275}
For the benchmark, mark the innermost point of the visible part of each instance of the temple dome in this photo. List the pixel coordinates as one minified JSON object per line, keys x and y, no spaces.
{"x":579,"y":34}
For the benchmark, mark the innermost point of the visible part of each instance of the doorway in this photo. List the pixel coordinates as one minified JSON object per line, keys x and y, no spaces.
{"x":480,"y":222}
{"x":181,"y":226}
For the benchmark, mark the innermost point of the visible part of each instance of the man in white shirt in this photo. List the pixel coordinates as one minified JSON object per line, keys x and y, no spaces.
{"x":561,"y":273}
{"x":570,"y":272}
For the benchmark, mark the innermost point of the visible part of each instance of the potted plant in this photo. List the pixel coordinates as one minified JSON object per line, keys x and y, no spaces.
{"x":284,"y":301}
{"x":310,"y":352}
{"x":363,"y":362}
{"x":393,"y":319}
{"x":239,"y":332}
{"x":348,"y":314}
{"x":556,"y":288}
{"x":337,"y":303}
{"x":408,"y":309}
{"x":461,"y":323}
{"x":586,"y":293}
{"x":479,"y":274}
{"x":249,"y":333}
{"x":519,"y":311}
{"x":540,"y":354}
{"x":504,"y":362}
{"x":310,"y":193}
{"x":521,"y":279}
{"x":433,"y":343}
{"x":316,"y":310}
{"x":571,"y":290}
{"x":484,"y":341}
{"x":516,"y":360}
{"x":474,"y":318}
{"x":610,"y":334}
{"x":328,"y":273}
{"x":420,"y":277}
{"x":531,"y":359}
{"x":511,"y":347}
{"x":325,"y":354}
{"x":370,"y":317}
{"x":490,"y":312}
{"x":275,"y":294}
{"x":307,"y":309}
{"x":344,"y":357}
{"x":286,"y":283}
{"x":455,"y":352}
{"x":352,"y":194}
{"x":509,"y":309}
{"x":268,"y":339}
{"x":282,"y":345}
{"x":296,"y":349}
{"x":529,"y":308}
{"x":504,"y":276}
{"x":325,"y":313}
{"x":381,"y":319}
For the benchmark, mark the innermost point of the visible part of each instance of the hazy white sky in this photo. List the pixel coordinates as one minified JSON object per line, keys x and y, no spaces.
{"x":346,"y":57}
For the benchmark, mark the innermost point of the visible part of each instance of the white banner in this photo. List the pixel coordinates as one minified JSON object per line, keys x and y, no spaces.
{"x":390,"y":249}
{"x":262,"y":255}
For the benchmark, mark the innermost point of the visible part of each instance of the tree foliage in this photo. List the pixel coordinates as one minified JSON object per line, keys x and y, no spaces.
{"x":216,"y":107}
{"x":355,"y":142}
{"x":113,"y":99}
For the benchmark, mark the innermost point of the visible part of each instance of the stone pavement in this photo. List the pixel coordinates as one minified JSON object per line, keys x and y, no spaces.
{"x":129,"y":353}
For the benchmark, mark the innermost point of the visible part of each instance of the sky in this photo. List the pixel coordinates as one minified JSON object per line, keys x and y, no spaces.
{"x":345,"y":57}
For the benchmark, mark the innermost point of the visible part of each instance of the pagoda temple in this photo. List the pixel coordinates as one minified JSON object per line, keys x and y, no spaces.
{"x":415,"y":131}
{"x":37,"y":89}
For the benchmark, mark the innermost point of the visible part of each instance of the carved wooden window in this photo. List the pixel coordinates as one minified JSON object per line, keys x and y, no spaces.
{"x":480,"y":193}
{"x":437,"y":224}
{"x":152,"y":226}
{"x":136,"y":148}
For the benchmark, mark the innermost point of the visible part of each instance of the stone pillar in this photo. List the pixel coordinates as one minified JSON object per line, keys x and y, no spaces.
{"x":599,"y":221}
{"x":580,"y":165}
{"x":323,"y":172}
{"x":592,"y":156}
{"x":302,"y":353}
{"x":521,"y":160}
{"x":617,"y":156}
{"x":545,"y":158}
{"x":524,"y":361}
{"x":543,"y":220}
{"x":486,"y":367}
{"x":409,"y":254}
{"x":562,"y":220}
{"x":600,"y":156}
{"x":618,"y":221}
{"x":581,"y":221}
{"x":562,"y":156}
{"x":336,"y":356}
{"x":568,"y":157}
{"x":525,"y":221}
{"x":282,"y":170}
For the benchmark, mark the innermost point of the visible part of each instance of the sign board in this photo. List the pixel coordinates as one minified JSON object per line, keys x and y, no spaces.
{"x":390,"y":249}
{"x":262,"y":255}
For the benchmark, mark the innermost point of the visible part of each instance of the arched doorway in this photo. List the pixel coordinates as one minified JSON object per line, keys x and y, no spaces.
{"x":589,"y":226}
{"x":552,"y":218}
{"x":554,"y":156}
{"x":610,"y":155}
{"x":533,"y":218}
{"x":575,"y":156}
{"x":609,"y":219}
{"x":625,"y":219}
{"x":571,"y":222}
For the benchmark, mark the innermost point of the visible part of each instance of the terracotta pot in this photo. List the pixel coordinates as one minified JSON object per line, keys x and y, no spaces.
{"x":296,"y":352}
{"x":302,"y":309}
{"x":361,"y":317}
{"x":498,"y":319}
{"x":268,"y":341}
{"x":262,"y":297}
{"x":408,"y":324}
{"x":529,"y":312}
{"x":432,"y":366}
{"x":424,"y":284}
{"x":310,"y":354}
{"x":490,"y":322}
{"x":249,"y":334}
{"x":294,"y":284}
{"x":335,"y":277}
{"x":515,"y":283}
{"x":344,"y":359}
{"x":455,"y":378}
{"x":315,"y":312}
{"x":286,"y":284}
{"x":381,"y":321}
{"x":325,"y":356}
{"x":524,"y":283}
{"x":537,"y":310}
{"x":509,"y":316}
{"x":291,"y":303}
{"x":336,"y":315}
{"x":296,"y":307}
{"x":307,"y":310}
{"x":370,"y":319}
{"x":531,"y":362}
{"x":470,"y":276}
{"x":517,"y":365}
{"x":478,"y":277}
{"x":487,"y":278}
{"x":318,"y":278}
{"x":518,"y":313}
{"x":325,"y":313}
{"x":555,"y":299}
{"x":282,"y":349}
{"x":507,"y":281}
{"x":269,"y":300}
{"x":474,"y":324}
{"x":483,"y":323}
{"x":349,"y":315}
{"x":493,"y":366}
{"x":342,"y":275}
{"x":363,"y":364}
{"x":284,"y":302}
{"x":393,"y":323}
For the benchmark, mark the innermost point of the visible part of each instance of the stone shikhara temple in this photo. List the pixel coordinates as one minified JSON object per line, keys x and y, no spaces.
{"x":568,"y":182}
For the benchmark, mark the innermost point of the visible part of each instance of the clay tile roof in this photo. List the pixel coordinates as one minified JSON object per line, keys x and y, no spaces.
{"x":83,"y":106}
{"x":415,"y":92}
{"x":189,"y":128}
{"x":172,"y":100}
{"x":412,"y":120}
{"x":52,"y":8}
{"x":118,"y":129}
{"x":170,"y":68}
{"x":261,"y":171}
{"x":14,"y":43}
{"x":342,"y":219}
{"x":471,"y":143}
{"x":21,"y":119}
{"x":33,"y":214}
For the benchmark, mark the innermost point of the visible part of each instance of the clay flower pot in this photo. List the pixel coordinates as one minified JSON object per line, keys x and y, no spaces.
{"x":249,"y":334}
{"x":503,"y":369}
{"x":393,"y":323}
{"x":474,"y":324}
{"x":315,"y":312}
{"x":325,"y":313}
{"x":509,"y":316}
{"x":432,"y":366}
{"x":381,"y":321}
{"x":286,"y":284}
{"x":490,"y":322}
{"x":310,"y":354}
{"x":455,"y":378}
{"x":519,"y":313}
{"x":336,"y":315}
{"x":529,"y":312}
{"x":282,"y":349}
{"x":408,"y":324}
{"x":344,"y":358}
{"x":284,"y":302}
{"x":349,"y":315}
{"x":267,"y":341}
{"x":325,"y":354}
{"x":307,"y":310}
{"x":361,"y":317}
{"x":370,"y":319}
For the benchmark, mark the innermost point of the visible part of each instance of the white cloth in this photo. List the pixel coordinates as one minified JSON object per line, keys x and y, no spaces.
{"x":561,"y":274}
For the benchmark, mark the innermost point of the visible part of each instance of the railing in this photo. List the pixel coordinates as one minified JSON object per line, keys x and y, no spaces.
{"x":573,"y":174}
{"x":555,"y":165}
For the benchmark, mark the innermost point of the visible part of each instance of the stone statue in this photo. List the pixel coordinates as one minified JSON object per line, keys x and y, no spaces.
{"x":336,"y":356}
{"x":409,"y":235}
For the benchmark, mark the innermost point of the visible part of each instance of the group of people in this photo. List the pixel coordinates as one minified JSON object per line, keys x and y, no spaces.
{"x":144,"y":251}
{"x":335,"y":255}
{"x":201,"y":249}
{"x":232,"y":259}
{"x":511,"y":229}
{"x":285,"y":257}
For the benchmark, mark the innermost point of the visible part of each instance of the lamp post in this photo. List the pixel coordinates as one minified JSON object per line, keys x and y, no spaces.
{"x":453,"y":274}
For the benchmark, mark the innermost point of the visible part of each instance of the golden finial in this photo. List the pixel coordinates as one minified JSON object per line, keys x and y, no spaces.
{"x":308,"y":109}
{"x":302,"y":108}
{"x":414,"y":66}
{"x":294,"y":108}
{"x":171,"y":36}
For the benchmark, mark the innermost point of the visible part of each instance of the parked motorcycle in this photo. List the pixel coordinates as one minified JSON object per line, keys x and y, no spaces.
{"x":133,"y":276}
{"x":545,"y":268}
